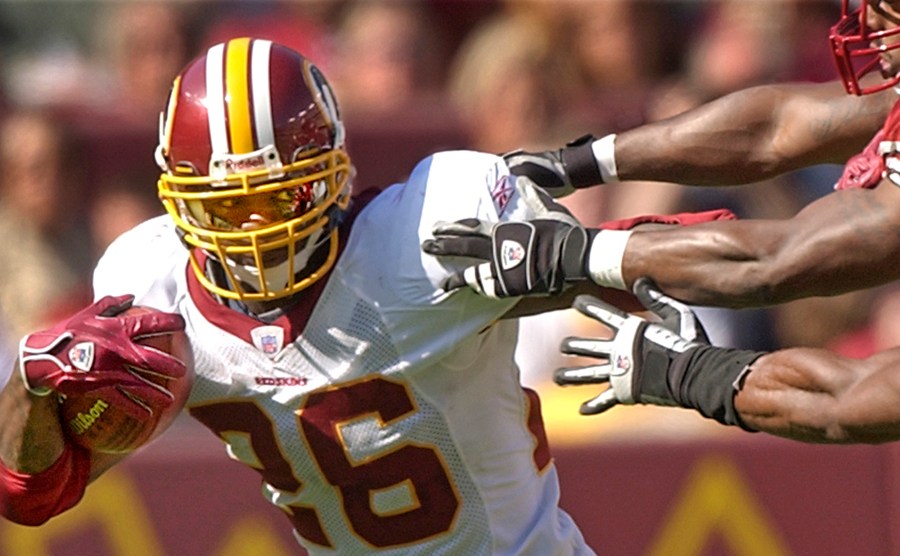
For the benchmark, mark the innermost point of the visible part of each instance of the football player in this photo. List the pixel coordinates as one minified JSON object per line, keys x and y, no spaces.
{"x":847,"y":240}
{"x":384,"y":415}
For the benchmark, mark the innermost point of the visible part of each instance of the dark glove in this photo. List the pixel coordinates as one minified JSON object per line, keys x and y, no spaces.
{"x":97,"y":350}
{"x":535,"y":257}
{"x":638,"y":358}
{"x":561,"y":171}
{"x":538,"y":256}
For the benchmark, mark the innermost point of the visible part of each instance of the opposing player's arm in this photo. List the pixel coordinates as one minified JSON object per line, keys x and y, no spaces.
{"x":811,"y":395}
{"x":753,"y":134}
{"x":743,"y":137}
{"x":844,"y":241}
{"x":847,"y":240}
{"x":817,"y":396}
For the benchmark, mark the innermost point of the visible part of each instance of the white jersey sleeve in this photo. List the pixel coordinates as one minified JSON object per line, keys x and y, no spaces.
{"x":149,"y":261}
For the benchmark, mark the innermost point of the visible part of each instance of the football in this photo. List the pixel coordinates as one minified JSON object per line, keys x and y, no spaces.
{"x":93,"y":423}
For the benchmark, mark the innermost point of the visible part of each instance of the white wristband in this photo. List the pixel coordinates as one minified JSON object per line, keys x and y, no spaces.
{"x":605,"y":258}
{"x":605,"y":154}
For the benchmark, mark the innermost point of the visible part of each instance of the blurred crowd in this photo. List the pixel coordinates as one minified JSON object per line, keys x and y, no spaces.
{"x":82,"y":83}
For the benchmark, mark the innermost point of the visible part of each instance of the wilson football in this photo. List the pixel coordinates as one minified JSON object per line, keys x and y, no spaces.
{"x":99,"y":426}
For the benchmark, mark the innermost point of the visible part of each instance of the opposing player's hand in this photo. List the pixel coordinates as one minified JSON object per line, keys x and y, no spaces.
{"x":519,"y":258}
{"x":560,"y":171}
{"x":636,"y":361}
{"x":673,"y":314}
{"x":97,"y":350}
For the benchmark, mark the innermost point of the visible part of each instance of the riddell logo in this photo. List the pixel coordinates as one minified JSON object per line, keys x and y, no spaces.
{"x":84,"y":421}
{"x":243,"y":164}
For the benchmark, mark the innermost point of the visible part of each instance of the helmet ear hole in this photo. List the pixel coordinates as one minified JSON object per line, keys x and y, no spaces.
{"x":247,"y":121}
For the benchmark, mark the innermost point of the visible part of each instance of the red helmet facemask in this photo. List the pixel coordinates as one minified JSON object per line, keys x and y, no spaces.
{"x":856,"y":49}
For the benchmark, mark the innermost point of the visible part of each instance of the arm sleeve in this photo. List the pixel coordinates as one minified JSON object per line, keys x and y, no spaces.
{"x":33,"y":499}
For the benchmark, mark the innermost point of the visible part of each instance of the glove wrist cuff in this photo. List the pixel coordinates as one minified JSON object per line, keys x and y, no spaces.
{"x":707,"y":378}
{"x":604,"y":152}
{"x":580,"y":163}
{"x":38,"y":360}
{"x":604,"y":260}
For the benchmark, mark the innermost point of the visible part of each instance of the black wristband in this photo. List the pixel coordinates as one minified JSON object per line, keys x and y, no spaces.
{"x":580,"y":164}
{"x":706,"y":378}
{"x":574,"y":254}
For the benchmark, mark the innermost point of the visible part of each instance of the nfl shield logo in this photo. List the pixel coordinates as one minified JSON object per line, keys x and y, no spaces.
{"x":268,"y":339}
{"x":511,"y":254}
{"x":623,"y":365}
{"x":81,"y":356}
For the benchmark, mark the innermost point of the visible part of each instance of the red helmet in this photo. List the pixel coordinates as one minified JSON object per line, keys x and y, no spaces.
{"x":254,"y":170}
{"x":857,"y":49}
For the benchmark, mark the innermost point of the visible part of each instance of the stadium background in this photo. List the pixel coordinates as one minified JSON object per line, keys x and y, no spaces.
{"x":81,"y":84}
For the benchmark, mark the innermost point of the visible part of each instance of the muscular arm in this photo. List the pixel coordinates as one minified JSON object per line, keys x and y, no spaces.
{"x":817,"y":396}
{"x":753,"y":134}
{"x":31,"y":435}
{"x":845,"y":241}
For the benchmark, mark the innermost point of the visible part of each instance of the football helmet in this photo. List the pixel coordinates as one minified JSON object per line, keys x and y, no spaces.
{"x":857,"y":48}
{"x":254,"y":169}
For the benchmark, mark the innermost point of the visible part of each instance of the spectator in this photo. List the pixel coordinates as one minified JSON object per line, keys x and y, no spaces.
{"x":303,"y":25}
{"x":44,"y":59}
{"x":115,"y":209}
{"x":388,"y":54}
{"x":508,"y":83}
{"x":142,"y":44}
{"x":614,"y":43}
{"x":45,"y":261}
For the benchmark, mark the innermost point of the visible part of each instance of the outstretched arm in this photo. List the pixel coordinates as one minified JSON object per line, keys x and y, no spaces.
{"x":847,"y":240}
{"x":805,"y":394}
{"x":753,"y":134}
{"x":743,"y":137}
{"x":817,"y":396}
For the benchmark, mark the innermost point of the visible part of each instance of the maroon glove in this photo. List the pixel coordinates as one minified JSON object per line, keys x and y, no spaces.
{"x":96,"y":350}
{"x":680,"y":219}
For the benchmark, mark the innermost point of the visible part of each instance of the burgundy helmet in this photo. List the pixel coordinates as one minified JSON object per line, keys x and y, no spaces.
{"x":254,"y":170}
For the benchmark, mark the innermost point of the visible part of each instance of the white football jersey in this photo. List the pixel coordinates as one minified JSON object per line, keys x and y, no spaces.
{"x":384,"y":415}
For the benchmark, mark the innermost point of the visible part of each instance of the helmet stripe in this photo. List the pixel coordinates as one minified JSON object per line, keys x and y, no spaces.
{"x":215,"y":99}
{"x":262,"y":95}
{"x":238,"y":95}
{"x":165,"y":127}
